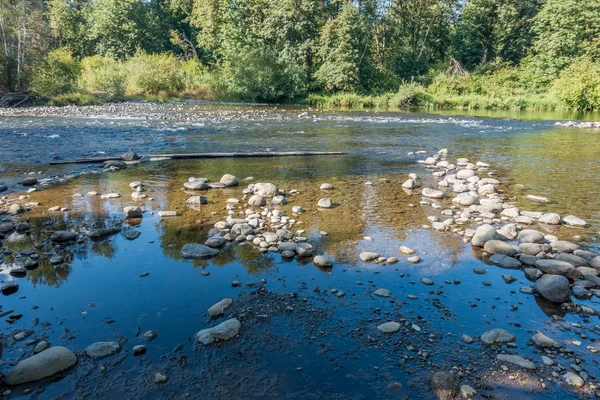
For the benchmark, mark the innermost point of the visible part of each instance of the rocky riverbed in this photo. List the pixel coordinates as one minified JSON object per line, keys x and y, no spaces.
{"x":441,"y":277}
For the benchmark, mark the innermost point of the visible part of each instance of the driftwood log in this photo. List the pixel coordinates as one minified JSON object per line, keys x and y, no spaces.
{"x":205,"y":155}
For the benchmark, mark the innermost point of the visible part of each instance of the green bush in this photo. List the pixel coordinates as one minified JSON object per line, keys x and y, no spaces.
{"x":193,"y":74}
{"x":578,"y":86}
{"x":410,"y":94}
{"x":103,"y":77}
{"x":54,"y":74}
{"x":153,"y":73}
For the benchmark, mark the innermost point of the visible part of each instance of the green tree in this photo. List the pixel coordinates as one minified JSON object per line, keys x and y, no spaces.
{"x":55,"y":74}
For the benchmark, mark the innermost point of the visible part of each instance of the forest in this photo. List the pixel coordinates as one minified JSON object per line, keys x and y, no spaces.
{"x":520,"y":54}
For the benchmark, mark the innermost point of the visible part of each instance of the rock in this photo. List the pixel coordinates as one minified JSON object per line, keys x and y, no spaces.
{"x":326,"y":186}
{"x":483,"y":234}
{"x":541,"y":340}
{"x":512,"y":212}
{"x":198,"y":251}
{"x":139,"y":350}
{"x":414,"y":259}
{"x":389,"y":327}
{"x":531,"y":236}
{"x":219,"y":308}
{"x":368,"y":256}
{"x":554,"y":288}
{"x":160,"y":378}
{"x":581,"y":293}
{"x":465,"y":174}
{"x":257,"y":201}
{"x":572,"y":259}
{"x":196,"y":200}
{"x":539,"y":199}
{"x":325,"y":203}
{"x":573,"y":379}
{"x":547,"y":360}
{"x":562,"y":246}
{"x":229,"y":180}
{"x":304,"y":249}
{"x":265,"y":189}
{"x":381,"y":292}
{"x":550,"y":219}
{"x":556,"y":267}
{"x":110,"y":196}
{"x":444,"y":385}
{"x":467,"y":392}
{"x":63,"y":236}
{"x":100,"y":350}
{"x":574,"y":221}
{"x":499,"y":247}
{"x":3,"y":188}
{"x":467,"y":339}
{"x":279,"y":200}
{"x":29,"y":181}
{"x":133,"y":212}
{"x":407,"y":251}
{"x":533,"y":273}
{"x":41,"y":346}
{"x":322,"y":261}
{"x":41,"y":365}
{"x":509,"y":278}
{"x":506,"y":262}
{"x":215,"y":242}
{"x":224,"y":331}
{"x":595,"y":262}
{"x":427,"y":281}
{"x":432,"y":193}
{"x":497,"y":336}
{"x":197,"y":184}
{"x":588,"y":255}
{"x":9,"y":288}
{"x":516,"y":360}
{"x":130,"y":156}
{"x":409,"y":184}
{"x":150,"y":335}
{"x":530,"y":249}
{"x":297,"y":210}
{"x":165,"y":214}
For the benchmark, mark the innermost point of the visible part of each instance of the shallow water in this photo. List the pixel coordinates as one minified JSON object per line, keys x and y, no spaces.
{"x":312,"y":344}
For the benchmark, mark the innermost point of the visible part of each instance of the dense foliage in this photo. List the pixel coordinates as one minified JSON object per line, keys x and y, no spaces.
{"x":454,"y":53}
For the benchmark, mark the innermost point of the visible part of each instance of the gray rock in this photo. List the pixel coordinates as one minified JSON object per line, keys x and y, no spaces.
{"x":550,"y":219}
{"x":197,"y":184}
{"x":130,"y":156}
{"x":133,"y":212}
{"x":265,"y":189}
{"x":588,"y":255}
{"x":573,"y":379}
{"x":432,"y":193}
{"x":3,"y":188}
{"x":484,"y":234}
{"x":554,"y":288}
{"x":198,"y":251}
{"x":100,"y":350}
{"x":389,"y":327}
{"x":257,"y":201}
{"x":541,"y":340}
{"x":581,"y":293}
{"x":574,"y":221}
{"x":63,"y":236}
{"x":499,"y":247}
{"x":289,"y":246}
{"x":533,"y":273}
{"x":197,"y":200}
{"x":219,"y":308}
{"x":325,"y":203}
{"x":322,"y":261}
{"x":556,"y":267}
{"x":215,"y":242}
{"x":9,"y":288}
{"x":160,"y":378}
{"x":572,"y":259}
{"x":506,"y":262}
{"x":139,"y":350}
{"x":41,"y":365}
{"x":530,"y":249}
{"x":229,"y":180}
{"x":467,"y":392}
{"x":279,"y":200}
{"x":516,"y":360}
{"x":304,"y":249}
{"x":531,"y":236}
{"x":467,"y":339}
{"x":444,"y":385}
{"x":381,"y":292}
{"x":224,"y":331}
{"x":368,"y":256}
{"x":29,"y":181}
{"x":562,"y":246}
{"x":41,"y":346}
{"x":497,"y":336}
{"x":150,"y":335}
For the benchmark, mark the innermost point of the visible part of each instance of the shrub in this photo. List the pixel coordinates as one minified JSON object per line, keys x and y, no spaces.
{"x":193,"y":74}
{"x":54,"y":74}
{"x":578,"y":86}
{"x":153,"y":73}
{"x":410,"y":94}
{"x":103,"y":77}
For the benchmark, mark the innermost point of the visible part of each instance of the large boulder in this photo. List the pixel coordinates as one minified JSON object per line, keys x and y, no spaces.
{"x":41,"y":365}
{"x":198,"y":251}
{"x":499,"y":247}
{"x":224,"y":331}
{"x":133,"y":212}
{"x":554,"y":288}
{"x":531,"y":236}
{"x":229,"y":180}
{"x":505,"y":262}
{"x":557,"y":267}
{"x":266,"y":189}
{"x":483,"y":234}
{"x":562,"y":246}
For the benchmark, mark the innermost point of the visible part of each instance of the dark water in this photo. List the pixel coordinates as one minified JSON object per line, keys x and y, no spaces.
{"x":298,"y":339}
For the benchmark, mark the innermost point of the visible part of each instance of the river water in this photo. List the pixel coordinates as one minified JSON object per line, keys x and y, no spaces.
{"x":298,"y":339}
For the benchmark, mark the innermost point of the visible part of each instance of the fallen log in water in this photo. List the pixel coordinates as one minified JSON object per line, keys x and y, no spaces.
{"x":206,"y":155}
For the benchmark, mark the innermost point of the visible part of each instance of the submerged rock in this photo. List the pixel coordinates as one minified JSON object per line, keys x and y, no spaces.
{"x":219,"y":308}
{"x":444,"y":385}
{"x":389,"y":327}
{"x":554,"y":288}
{"x":100,"y":350}
{"x":63,"y":236}
{"x":497,"y":335}
{"x":322,"y":261}
{"x":224,"y":331}
{"x":41,"y":365}
{"x":198,"y":251}
{"x":516,"y":360}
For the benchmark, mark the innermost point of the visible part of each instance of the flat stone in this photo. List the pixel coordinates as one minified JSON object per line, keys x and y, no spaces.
{"x":368,"y":256}
{"x":389,"y":327}
{"x":224,"y":331}
{"x":198,"y":251}
{"x":496,"y":336}
{"x":100,"y":350}
{"x":556,"y":267}
{"x":499,"y":247}
{"x":381,"y":292}
{"x":574,"y":221}
{"x":219,"y":308}
{"x":516,"y":360}
{"x":541,"y":340}
{"x":506,"y":262}
{"x":41,"y":365}
{"x":63,"y":236}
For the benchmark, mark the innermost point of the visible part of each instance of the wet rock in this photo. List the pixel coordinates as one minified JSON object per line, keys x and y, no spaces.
{"x":3,"y":188}
{"x":224,"y":331}
{"x":531,"y":236}
{"x":100,"y":350}
{"x":432,"y":193}
{"x":19,"y":337}
{"x":509,"y":278}
{"x":229,"y":180}
{"x":541,"y":340}
{"x":414,"y":259}
{"x":215,"y":242}
{"x":562,"y":246}
{"x":98,"y":234}
{"x":389,"y":327}
{"x":467,"y":339}
{"x":322,"y":261}
{"x":41,"y":365}
{"x":139,"y":350}
{"x":63,"y":236}
{"x":444,"y":385}
{"x":219,"y":308}
{"x":499,"y":247}
{"x":574,"y":221}
{"x":56,"y":260}
{"x":196,"y":184}
{"x":483,"y":234}
{"x":133,"y":212}
{"x":289,"y":246}
{"x":407,"y":251}
{"x":587,"y":255}
{"x":554,"y":288}
{"x":160,"y":378}
{"x":556,"y":267}
{"x":41,"y":346}
{"x":131,"y":234}
{"x":150,"y":335}
{"x":198,"y":251}
{"x":506,"y":262}
{"x":467,"y":392}
{"x":497,"y":336}
{"x":9,"y":288}
{"x":572,"y":259}
{"x":533,"y":273}
{"x":368,"y":256}
{"x":304,"y":249}
{"x":381,"y":292}
{"x":130,"y":156}
{"x":325,"y":203}
{"x":15,"y":209}
{"x":29,"y":181}
{"x":427,"y":281}
{"x":516,"y":360}
{"x":573,"y":379}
